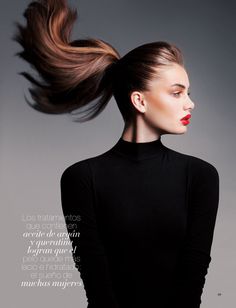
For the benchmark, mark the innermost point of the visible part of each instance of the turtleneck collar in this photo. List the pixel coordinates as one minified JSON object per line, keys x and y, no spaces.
{"x":138,"y":150}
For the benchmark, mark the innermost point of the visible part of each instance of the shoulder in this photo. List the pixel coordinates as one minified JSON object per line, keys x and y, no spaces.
{"x":200,"y":168}
{"x":77,"y":170}
{"x":203,"y":178}
{"x":196,"y":164}
{"x":84,"y":168}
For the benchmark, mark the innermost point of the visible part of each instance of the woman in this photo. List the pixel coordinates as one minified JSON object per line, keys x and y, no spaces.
{"x":146,"y":212}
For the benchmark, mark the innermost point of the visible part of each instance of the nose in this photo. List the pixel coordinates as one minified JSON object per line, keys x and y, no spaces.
{"x":189,"y":104}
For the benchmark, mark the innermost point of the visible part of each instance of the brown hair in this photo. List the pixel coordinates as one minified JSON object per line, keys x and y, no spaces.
{"x":84,"y":72}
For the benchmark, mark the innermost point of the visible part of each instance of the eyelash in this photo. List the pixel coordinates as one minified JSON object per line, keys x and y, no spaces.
{"x":179,"y":93}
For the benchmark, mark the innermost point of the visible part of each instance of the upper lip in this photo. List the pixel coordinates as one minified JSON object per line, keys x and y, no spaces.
{"x":188,"y":116}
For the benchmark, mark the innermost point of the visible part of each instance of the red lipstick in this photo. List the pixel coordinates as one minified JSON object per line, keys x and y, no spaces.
{"x":185,"y":120}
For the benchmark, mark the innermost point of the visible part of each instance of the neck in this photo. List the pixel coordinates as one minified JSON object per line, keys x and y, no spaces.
{"x":139,"y":150}
{"x":137,"y":130}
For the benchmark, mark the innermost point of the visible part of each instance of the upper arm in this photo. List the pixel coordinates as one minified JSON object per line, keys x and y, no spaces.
{"x":203,"y":203}
{"x":194,"y":258}
{"x":77,"y":197}
{"x":78,"y":200}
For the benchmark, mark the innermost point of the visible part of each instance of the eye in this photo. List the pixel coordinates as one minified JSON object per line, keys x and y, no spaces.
{"x":176,"y":94}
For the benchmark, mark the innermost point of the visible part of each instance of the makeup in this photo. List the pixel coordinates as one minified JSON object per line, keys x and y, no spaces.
{"x":185,"y":120}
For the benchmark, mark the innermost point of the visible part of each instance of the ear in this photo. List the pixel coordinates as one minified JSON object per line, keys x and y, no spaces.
{"x":138,"y":102}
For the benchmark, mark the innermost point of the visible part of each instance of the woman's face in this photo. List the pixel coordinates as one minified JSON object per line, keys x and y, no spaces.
{"x":168,"y":101}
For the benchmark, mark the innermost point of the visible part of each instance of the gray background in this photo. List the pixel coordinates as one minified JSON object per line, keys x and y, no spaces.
{"x":36,"y":148}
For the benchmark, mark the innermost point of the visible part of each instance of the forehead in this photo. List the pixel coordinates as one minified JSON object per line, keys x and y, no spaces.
{"x":170,"y":75}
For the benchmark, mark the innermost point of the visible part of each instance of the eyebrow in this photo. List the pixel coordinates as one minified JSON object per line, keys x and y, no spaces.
{"x":179,"y":85}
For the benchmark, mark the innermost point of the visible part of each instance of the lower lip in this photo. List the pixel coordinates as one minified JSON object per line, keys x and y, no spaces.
{"x":185,"y":122}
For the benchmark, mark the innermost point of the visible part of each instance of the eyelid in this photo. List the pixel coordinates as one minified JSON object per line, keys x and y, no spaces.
{"x":179,"y":92}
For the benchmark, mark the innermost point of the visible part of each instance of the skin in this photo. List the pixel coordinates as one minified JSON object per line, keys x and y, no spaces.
{"x":159,"y":110}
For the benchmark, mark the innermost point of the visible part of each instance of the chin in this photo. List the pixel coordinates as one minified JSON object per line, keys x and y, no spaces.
{"x":178,"y":130}
{"x":174,"y":129}
{"x":183,"y":129}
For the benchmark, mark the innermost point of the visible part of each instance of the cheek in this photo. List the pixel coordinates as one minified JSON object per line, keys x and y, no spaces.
{"x":163,"y":113}
{"x":164,"y":109}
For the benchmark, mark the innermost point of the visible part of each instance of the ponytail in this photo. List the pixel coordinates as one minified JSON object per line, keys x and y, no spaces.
{"x":73,"y":74}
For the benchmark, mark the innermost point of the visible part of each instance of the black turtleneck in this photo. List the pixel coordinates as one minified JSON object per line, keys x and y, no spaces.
{"x":147,"y":217}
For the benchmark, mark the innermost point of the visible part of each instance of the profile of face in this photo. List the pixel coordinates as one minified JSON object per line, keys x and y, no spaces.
{"x":167,"y":101}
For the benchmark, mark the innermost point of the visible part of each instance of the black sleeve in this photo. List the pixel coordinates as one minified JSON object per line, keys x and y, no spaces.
{"x":90,"y":259}
{"x":195,"y":257}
